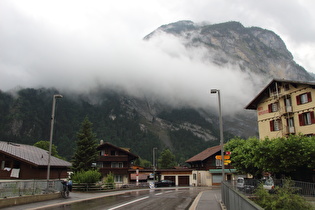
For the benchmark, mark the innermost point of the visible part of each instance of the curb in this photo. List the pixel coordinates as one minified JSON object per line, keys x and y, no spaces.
{"x":195,"y":203}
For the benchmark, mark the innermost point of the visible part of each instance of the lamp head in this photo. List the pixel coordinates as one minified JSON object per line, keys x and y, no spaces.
{"x":58,"y":96}
{"x":214,"y":91}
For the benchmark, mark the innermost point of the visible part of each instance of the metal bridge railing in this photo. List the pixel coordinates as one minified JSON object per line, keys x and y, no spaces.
{"x":28,"y":187}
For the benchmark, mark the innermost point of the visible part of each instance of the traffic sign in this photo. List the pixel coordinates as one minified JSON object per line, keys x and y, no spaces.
{"x":219,"y":157}
{"x":227,"y":162}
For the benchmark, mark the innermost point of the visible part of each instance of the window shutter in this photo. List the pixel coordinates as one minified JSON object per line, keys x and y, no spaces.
{"x":309,"y":97}
{"x":301,"y":119}
{"x":269,"y":108}
{"x":272,"y":128}
{"x":298,"y":100}
{"x":312,"y":117}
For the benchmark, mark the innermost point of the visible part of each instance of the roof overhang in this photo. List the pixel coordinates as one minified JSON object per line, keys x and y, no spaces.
{"x":265,"y":93}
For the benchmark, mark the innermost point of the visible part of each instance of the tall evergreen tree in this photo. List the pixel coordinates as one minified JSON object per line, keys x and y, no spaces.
{"x":167,"y":159}
{"x":85,"y":152}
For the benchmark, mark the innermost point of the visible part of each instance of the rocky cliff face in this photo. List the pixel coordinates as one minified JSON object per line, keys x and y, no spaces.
{"x":254,"y":49}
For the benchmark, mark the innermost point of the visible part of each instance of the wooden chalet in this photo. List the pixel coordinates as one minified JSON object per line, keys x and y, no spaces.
{"x":20,"y":161}
{"x":207,"y":170}
{"x":116,"y":160}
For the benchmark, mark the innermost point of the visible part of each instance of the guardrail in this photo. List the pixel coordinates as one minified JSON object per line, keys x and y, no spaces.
{"x":235,"y":200}
{"x":305,"y":189}
{"x":28,"y":187}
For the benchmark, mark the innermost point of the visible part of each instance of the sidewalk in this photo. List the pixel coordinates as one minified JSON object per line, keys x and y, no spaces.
{"x":209,"y":199}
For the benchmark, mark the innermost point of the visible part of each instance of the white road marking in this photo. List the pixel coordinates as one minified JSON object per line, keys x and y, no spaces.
{"x":164,"y":192}
{"x":125,"y":204}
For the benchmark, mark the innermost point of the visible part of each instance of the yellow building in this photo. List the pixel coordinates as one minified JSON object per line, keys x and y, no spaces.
{"x":285,"y":107}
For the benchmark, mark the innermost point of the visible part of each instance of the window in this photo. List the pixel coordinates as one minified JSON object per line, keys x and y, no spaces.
{"x":99,"y":164}
{"x":275,"y":125}
{"x":113,"y":152}
{"x":304,"y":98}
{"x":273,"y":107}
{"x":290,"y":122}
{"x":306,"y":118}
{"x":288,"y":104}
{"x":218,"y":162}
{"x":117,"y":165}
{"x":194,"y":176}
{"x":286,"y":87}
{"x":118,"y":178}
{"x":274,"y":91}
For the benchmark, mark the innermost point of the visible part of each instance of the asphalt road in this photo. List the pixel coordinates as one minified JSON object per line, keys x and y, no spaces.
{"x":152,"y":199}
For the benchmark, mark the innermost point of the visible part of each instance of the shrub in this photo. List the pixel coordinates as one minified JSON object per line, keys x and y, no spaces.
{"x":90,"y":176}
{"x":109,"y":181}
{"x":283,"y":198}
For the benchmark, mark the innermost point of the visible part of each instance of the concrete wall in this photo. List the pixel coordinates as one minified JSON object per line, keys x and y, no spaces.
{"x":6,"y":202}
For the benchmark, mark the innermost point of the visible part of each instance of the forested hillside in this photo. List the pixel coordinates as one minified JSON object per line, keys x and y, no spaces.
{"x":26,"y":113}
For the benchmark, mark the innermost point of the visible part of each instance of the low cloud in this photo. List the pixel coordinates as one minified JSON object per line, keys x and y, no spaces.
{"x":38,"y":55}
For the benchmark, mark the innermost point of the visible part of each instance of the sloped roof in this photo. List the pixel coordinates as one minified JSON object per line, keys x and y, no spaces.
{"x":204,"y":154}
{"x":31,"y":154}
{"x":107,"y":144}
{"x":264,"y":93}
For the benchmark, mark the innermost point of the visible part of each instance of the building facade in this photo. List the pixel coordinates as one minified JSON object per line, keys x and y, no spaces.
{"x":285,"y":107}
{"x":115,"y":160}
{"x":20,"y":161}
{"x":207,"y":170}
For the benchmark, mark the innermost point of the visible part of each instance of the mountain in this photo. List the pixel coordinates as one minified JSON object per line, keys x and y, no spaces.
{"x":253,"y":49}
{"x":142,"y":123}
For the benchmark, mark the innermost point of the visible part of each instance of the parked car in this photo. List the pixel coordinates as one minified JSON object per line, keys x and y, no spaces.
{"x":268,"y":184}
{"x":249,"y":185}
{"x":240,"y":183}
{"x":164,"y":183}
{"x":246,"y":185}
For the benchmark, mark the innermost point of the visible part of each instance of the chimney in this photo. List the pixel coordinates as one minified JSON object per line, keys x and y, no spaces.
{"x":101,"y":142}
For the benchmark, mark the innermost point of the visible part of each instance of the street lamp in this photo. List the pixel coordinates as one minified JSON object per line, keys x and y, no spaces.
{"x":51,"y":135}
{"x":154,"y":164}
{"x":213,"y":91}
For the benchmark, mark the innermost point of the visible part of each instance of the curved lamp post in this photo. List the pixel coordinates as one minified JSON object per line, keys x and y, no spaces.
{"x":51,"y":135}
{"x":213,"y":91}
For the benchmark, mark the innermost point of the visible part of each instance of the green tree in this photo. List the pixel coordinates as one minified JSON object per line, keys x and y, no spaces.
{"x":244,"y":155}
{"x":143,"y":163}
{"x":278,"y":155}
{"x":167,"y":159}
{"x":85,"y":152}
{"x":45,"y":145}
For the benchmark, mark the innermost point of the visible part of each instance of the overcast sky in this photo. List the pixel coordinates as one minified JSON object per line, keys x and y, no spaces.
{"x":80,"y":44}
